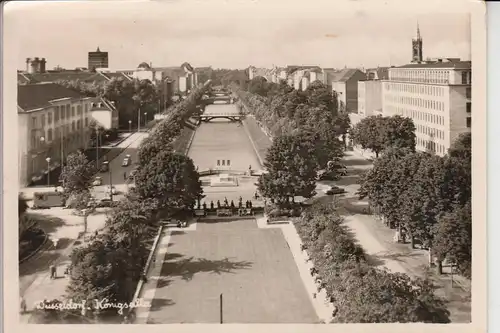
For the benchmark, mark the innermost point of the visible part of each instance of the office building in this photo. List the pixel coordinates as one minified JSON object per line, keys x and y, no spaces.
{"x":98,"y":59}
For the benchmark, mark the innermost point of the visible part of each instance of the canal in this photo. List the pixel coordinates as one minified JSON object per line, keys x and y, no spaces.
{"x":220,"y":140}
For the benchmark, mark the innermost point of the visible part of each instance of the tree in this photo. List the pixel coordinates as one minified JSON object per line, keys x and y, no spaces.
{"x":399,"y":132}
{"x":375,"y":296}
{"x":369,"y":133}
{"x":378,"y":133}
{"x":453,"y":238}
{"x":258,"y":85}
{"x":76,"y":177}
{"x":291,"y":170}
{"x":171,"y":179}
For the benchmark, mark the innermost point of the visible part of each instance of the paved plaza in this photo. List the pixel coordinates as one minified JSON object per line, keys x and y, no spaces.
{"x":253,"y":268}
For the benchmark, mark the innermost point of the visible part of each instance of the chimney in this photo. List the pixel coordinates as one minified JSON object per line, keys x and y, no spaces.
{"x":28,"y":61}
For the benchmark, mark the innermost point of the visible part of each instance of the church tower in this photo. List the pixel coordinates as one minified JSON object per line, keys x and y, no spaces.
{"x":417,"y":54}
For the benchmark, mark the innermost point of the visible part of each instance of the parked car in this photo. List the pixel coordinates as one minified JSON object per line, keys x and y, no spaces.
{"x":97,"y":181}
{"x":104,"y":167}
{"x":106,"y":202}
{"x":132,"y":173}
{"x":126,"y":161}
{"x":111,"y":190}
{"x":334,"y":190}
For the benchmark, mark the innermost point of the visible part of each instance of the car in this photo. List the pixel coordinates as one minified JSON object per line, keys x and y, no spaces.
{"x":106,"y":202}
{"x":111,"y":190}
{"x":126,"y":162}
{"x":97,"y":181}
{"x":104,"y":167}
{"x":132,"y":173}
{"x":334,"y":190}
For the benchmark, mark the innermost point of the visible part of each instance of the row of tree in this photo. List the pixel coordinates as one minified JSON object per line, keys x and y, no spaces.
{"x":129,"y":96}
{"x":427,"y":196}
{"x":167,"y":184}
{"x":359,"y":292}
{"x":306,"y":127}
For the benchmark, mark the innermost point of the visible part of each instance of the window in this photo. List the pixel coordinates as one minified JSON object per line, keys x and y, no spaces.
{"x":73,"y":125}
{"x":464,"y":78}
{"x":56,"y":115}
{"x":49,"y":135}
{"x":468,"y":107}
{"x":62,"y":112}
{"x":78,"y":124}
{"x":72,"y":111}
{"x":79,"y":110}
{"x":68,"y":111}
{"x":42,"y":120}
{"x":49,"y":118}
{"x":468,"y":92}
{"x":33,"y":122}
{"x":86,"y":122}
{"x":469,"y":121}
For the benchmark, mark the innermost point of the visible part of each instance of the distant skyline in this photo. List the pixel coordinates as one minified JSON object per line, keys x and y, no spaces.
{"x":238,"y":33}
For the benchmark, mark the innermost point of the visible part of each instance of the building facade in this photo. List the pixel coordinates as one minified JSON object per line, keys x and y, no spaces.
{"x":98,"y":59}
{"x":104,"y":113}
{"x":436,"y":95}
{"x":35,"y":65}
{"x":369,"y":98}
{"x":53,"y":121}
{"x":345,"y":84}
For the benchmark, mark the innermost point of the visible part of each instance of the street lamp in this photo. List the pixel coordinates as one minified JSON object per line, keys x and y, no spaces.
{"x":145,"y":118}
{"x":97,"y":148}
{"x":130,"y":126}
{"x":48,"y":171}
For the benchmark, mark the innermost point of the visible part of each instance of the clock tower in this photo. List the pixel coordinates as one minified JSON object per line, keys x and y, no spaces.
{"x":417,"y":55}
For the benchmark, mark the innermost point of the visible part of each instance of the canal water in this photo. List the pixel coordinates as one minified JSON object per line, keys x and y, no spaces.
{"x":221,"y":140}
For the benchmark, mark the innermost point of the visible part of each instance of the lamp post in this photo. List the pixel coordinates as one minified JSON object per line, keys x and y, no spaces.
{"x":139,"y":120}
{"x":110,"y":179}
{"x":145,"y":118}
{"x":48,"y":171}
{"x":97,"y":148}
{"x":130,"y":126}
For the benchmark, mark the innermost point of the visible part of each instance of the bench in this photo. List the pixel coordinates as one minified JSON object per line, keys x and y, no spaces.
{"x":245,"y":211}
{"x":200,"y":212}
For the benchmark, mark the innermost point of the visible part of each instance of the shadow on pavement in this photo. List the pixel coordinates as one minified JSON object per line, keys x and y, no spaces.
{"x":159,"y":303}
{"x":48,"y":223}
{"x":356,"y":161}
{"x":187,"y":268}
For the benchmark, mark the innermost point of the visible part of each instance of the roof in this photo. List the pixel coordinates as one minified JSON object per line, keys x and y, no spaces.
{"x":144,"y":65}
{"x":120,"y":75}
{"x":99,"y":104}
{"x":39,"y":95}
{"x":444,"y":64}
{"x":345,"y":74}
{"x":188,"y":66}
{"x":171,"y":72}
{"x":22,"y":79}
{"x":382,"y":72}
{"x":69,"y":76}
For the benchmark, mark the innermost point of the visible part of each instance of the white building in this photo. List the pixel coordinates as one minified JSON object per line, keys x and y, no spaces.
{"x":53,"y":121}
{"x":104,"y":113}
{"x":436,"y":95}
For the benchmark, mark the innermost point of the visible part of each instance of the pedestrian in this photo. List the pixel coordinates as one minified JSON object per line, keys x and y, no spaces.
{"x":53,"y":273}
{"x":256,"y":195}
{"x":211,"y":204}
{"x":232,"y":204}
{"x":218,"y":203}
{"x":225,"y":201}
{"x":125,"y":175}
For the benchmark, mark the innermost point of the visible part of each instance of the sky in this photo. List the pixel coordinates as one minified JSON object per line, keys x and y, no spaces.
{"x":237,"y":33}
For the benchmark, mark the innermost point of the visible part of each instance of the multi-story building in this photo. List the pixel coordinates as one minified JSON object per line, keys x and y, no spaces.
{"x":98,"y":59}
{"x":35,"y":65}
{"x":436,"y":96}
{"x":370,"y":92}
{"x":53,"y":121}
{"x":104,"y":113}
{"x":345,"y":84}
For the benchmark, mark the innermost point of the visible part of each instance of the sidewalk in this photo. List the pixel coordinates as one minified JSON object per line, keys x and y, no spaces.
{"x":377,"y":240}
{"x":36,"y":285}
{"x":34,"y":281}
